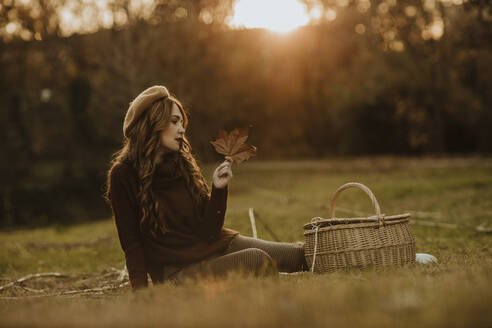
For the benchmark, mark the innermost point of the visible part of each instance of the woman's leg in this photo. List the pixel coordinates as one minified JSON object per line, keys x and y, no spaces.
{"x":250,"y":261}
{"x":289,"y":257}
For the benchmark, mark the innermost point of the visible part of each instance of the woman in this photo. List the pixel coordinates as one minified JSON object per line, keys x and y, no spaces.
{"x":170,"y":225}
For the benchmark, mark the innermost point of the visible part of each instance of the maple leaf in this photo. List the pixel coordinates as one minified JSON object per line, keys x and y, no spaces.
{"x":234,"y":145}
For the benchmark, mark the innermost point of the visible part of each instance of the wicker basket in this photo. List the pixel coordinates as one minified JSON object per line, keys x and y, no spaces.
{"x":339,"y":243}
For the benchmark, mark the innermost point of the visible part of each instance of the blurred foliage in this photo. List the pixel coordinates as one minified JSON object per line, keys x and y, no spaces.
{"x":369,"y":77}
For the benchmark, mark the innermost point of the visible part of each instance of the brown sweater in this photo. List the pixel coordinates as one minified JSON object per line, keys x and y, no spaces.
{"x":195,"y":233}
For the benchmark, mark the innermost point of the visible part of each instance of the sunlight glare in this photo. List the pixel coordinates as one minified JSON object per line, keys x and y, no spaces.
{"x":280,"y":16}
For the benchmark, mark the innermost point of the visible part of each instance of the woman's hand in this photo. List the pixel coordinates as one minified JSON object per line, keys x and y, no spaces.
{"x":223,"y":173}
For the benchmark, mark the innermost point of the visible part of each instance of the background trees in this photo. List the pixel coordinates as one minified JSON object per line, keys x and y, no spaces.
{"x":369,"y":77}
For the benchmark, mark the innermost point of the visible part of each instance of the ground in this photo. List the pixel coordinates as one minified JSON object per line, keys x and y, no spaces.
{"x":448,"y":199}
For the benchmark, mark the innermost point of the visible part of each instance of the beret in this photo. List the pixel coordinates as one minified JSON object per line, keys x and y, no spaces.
{"x":141,"y":103}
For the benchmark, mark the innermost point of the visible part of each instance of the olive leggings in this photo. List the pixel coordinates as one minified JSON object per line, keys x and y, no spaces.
{"x":249,"y":256}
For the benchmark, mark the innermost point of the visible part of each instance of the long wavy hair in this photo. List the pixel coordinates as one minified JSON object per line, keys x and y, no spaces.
{"x":143,"y":149}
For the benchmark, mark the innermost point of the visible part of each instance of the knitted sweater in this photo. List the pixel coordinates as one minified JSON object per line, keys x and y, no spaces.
{"x":195,"y":233}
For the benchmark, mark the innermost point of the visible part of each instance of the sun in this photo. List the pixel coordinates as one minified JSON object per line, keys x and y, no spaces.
{"x":280,"y":16}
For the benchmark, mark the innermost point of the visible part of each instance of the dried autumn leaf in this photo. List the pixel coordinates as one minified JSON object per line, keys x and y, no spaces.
{"x":234,"y":145}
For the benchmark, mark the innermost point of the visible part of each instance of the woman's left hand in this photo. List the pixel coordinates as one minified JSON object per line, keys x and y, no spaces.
{"x":223,"y":173}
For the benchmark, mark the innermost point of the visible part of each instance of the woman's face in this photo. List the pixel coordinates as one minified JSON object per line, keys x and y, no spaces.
{"x":172,"y":135}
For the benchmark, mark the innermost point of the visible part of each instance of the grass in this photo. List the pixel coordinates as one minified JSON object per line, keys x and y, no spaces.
{"x":453,"y":293}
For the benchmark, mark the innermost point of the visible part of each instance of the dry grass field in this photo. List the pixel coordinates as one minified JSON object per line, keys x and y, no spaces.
{"x":447,"y":197}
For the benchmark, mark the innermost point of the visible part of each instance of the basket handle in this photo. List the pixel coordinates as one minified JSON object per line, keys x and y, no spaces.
{"x":352,"y":185}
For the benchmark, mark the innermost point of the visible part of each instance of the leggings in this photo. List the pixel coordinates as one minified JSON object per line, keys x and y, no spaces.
{"x":249,"y":256}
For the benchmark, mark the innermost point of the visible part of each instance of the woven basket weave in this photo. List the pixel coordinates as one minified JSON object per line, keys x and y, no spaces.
{"x":344,"y":243}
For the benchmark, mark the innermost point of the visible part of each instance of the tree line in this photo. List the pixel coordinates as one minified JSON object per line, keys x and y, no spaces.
{"x":392,"y":78}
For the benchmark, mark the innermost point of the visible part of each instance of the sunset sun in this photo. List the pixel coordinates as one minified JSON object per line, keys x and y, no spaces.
{"x":280,"y":16}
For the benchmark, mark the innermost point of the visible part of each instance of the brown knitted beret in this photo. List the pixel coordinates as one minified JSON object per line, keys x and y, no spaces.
{"x":142,"y":103}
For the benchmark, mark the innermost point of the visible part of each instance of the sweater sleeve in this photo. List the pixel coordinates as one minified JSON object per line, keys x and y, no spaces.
{"x":125,"y":210}
{"x":214,"y":213}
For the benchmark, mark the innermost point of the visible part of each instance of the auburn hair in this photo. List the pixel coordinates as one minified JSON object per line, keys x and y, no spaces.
{"x":143,"y":149}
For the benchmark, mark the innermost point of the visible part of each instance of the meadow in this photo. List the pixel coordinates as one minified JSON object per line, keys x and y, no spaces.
{"x":450,"y":201}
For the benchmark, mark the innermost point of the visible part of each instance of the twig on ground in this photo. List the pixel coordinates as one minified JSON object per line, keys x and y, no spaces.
{"x":97,"y":291}
{"x":122,"y":274}
{"x":253,"y":222}
{"x":90,"y":290}
{"x":263,"y":223}
{"x":33,"y":290}
{"x":32,"y":276}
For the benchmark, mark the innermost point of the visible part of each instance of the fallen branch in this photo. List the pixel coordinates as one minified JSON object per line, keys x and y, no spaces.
{"x":98,"y":290}
{"x":32,"y":276}
{"x":122,"y":274}
{"x":91,"y":290}
{"x":267,"y":228}
{"x":33,"y":290}
{"x":253,"y":222}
